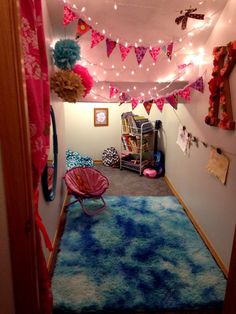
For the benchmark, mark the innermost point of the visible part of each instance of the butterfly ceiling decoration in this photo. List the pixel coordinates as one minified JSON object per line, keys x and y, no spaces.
{"x":188,"y":14}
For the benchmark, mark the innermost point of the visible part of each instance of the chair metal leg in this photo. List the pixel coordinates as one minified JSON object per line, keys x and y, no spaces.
{"x":95,"y":212}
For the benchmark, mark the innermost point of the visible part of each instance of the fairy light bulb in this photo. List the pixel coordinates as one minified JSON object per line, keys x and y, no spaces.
{"x":89,"y":18}
{"x":135,"y":45}
{"x":128,"y":90}
{"x":115,"y":6}
{"x":159,"y":41}
{"x":104,"y":72}
{"x":117,"y":41}
{"x":149,"y":92}
{"x":94,"y":73}
{"x":83,"y":9}
{"x":113,"y":67}
{"x":140,"y":65}
{"x":74,"y":6}
{"x":124,"y":67}
{"x":132,"y":72}
{"x":102,"y":87}
{"x":101,"y":64}
{"x":117,"y":74}
{"x":134,"y":87}
{"x":153,"y":63}
{"x":140,"y":40}
{"x":126,"y":44}
{"x":180,"y":40}
{"x":103,"y":31}
{"x":147,"y":69}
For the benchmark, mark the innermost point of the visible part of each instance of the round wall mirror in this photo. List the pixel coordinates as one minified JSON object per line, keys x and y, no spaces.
{"x":49,"y":176}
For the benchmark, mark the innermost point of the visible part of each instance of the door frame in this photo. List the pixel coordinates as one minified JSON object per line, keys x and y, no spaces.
{"x":16,"y":163}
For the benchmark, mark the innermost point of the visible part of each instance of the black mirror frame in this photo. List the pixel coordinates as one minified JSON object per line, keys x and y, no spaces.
{"x":49,"y":194}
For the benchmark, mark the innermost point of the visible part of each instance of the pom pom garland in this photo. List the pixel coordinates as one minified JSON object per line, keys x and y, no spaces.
{"x":87,"y":79}
{"x":65,"y":53}
{"x":67,"y":85}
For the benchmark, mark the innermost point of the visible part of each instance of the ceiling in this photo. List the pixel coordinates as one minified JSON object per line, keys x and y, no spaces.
{"x":142,"y":23}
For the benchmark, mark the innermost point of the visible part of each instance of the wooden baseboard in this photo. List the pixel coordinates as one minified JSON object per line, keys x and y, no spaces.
{"x":198,"y":228}
{"x":60,"y":227}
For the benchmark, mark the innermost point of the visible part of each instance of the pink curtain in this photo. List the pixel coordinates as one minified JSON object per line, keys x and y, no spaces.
{"x":38,"y":98}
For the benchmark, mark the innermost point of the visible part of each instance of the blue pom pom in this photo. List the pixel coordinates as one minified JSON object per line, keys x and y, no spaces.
{"x":66,"y":53}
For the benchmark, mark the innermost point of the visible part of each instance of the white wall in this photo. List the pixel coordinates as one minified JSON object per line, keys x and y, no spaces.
{"x":50,"y":211}
{"x":81,"y":134}
{"x":212,"y":204}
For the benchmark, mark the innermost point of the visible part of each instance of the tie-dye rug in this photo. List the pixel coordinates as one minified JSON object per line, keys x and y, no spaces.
{"x":141,"y":254}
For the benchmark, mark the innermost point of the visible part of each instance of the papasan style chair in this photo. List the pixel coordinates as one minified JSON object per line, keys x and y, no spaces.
{"x":84,"y":183}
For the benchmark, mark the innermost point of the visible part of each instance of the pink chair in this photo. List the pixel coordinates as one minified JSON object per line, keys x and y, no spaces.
{"x":85,"y":183}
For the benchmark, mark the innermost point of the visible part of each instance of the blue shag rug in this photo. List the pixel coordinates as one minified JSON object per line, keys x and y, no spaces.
{"x":141,"y":254}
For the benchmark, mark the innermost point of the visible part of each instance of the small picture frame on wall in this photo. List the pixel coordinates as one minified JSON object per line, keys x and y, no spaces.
{"x":100,"y":116}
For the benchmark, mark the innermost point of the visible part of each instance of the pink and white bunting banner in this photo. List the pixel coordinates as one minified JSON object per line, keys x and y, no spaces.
{"x":124,"y":51}
{"x":198,"y":85}
{"x":68,"y":15}
{"x":185,"y":93}
{"x":160,"y":103}
{"x":173,"y":100}
{"x":111,"y":44}
{"x":113,"y":91}
{"x":140,"y":53}
{"x":96,"y":38}
{"x":134,"y":102}
{"x":124,"y":97}
{"x":154,"y":52}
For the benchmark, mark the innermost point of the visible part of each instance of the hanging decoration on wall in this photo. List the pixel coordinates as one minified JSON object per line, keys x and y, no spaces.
{"x":220,"y":98}
{"x":86,"y":78}
{"x":172,"y":98}
{"x":67,"y":85}
{"x":185,"y":14}
{"x":110,"y":46}
{"x":82,"y":28}
{"x":69,"y":16}
{"x":124,"y":51}
{"x":160,"y":103}
{"x":218,"y":164}
{"x":96,"y":37}
{"x":148,"y":106}
{"x":65,"y":53}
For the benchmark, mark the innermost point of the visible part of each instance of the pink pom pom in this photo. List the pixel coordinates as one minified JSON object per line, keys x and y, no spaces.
{"x":86,"y":78}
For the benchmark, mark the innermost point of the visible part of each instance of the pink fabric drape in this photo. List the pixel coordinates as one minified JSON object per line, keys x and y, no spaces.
{"x":38,"y":98}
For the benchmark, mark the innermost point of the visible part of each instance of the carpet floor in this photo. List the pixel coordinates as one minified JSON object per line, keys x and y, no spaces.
{"x":140,"y":255}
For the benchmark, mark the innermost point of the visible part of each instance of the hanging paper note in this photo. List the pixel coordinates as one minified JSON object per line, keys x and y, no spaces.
{"x":148,"y":106}
{"x":140,"y":53}
{"x":124,"y":51}
{"x":124,"y":97}
{"x":110,"y":46}
{"x":134,"y":102}
{"x":185,"y":93}
{"x":173,"y":100}
{"x":154,"y":52}
{"x":82,"y":28}
{"x":96,"y":38}
{"x":113,"y":91}
{"x":218,"y":165}
{"x":169,"y":50}
{"x":182,"y":139}
{"x":68,"y":16}
{"x":198,"y":85}
{"x":160,"y":103}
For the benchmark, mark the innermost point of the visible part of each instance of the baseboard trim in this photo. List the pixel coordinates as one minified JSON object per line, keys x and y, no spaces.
{"x":52,"y":257}
{"x":198,"y":228}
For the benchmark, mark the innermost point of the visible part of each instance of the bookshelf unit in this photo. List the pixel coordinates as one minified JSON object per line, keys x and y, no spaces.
{"x":136,"y":142}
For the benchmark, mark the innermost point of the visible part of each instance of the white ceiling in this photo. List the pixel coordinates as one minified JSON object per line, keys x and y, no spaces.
{"x":147,"y":23}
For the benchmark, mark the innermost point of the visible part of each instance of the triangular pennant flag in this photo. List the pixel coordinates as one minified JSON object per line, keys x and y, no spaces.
{"x":148,"y":106}
{"x":172,"y":100}
{"x":134,"y":102}
{"x":124,"y":97}
{"x":185,"y":93}
{"x":68,"y":15}
{"x":113,"y":91}
{"x":140,"y":53}
{"x":160,"y":103}
{"x":110,"y":46}
{"x":154,"y":52}
{"x":169,"y":50}
{"x":198,"y":84}
{"x":124,"y":51}
{"x":82,"y":28}
{"x":96,"y":38}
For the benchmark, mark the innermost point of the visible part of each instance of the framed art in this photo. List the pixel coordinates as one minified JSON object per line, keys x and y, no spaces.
{"x":100,"y":116}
